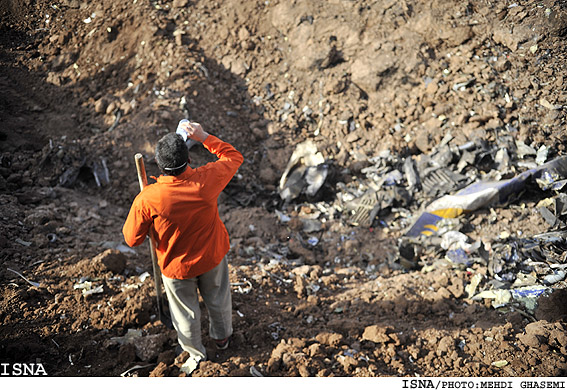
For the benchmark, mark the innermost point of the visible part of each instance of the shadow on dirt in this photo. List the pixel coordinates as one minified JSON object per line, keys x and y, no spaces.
{"x":68,"y":174}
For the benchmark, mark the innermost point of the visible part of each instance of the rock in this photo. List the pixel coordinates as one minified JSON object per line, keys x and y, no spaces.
{"x":432,"y":87}
{"x":235,"y":65}
{"x":348,"y":362}
{"x":275,"y":361}
{"x":75,"y":4}
{"x":303,"y":370}
{"x":149,"y":347}
{"x":494,"y":123}
{"x":329,"y":280}
{"x":441,"y":294}
{"x":160,"y":370}
{"x":445,"y":346}
{"x":538,"y":328}
{"x":315,"y":350}
{"x":367,"y":71}
{"x":316,"y":271}
{"x":423,"y":142}
{"x":301,"y":271}
{"x":101,"y":105}
{"x":377,"y":334}
{"x":111,"y":260}
{"x":126,"y":108}
{"x":558,"y":338}
{"x":536,"y":334}
{"x":243,"y":34}
{"x":299,"y":286}
{"x":512,"y":37}
{"x":457,"y":287}
{"x":529,"y":340}
{"x":54,"y":78}
{"x":110,"y":108}
{"x":336,"y":85}
{"x":178,"y":35}
{"x":331,"y":339}
{"x":180,"y":3}
{"x":456,"y":36}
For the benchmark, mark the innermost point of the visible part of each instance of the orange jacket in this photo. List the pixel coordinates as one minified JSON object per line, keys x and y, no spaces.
{"x":190,"y":236}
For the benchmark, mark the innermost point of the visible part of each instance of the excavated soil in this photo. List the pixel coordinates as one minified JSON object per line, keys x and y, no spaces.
{"x":84,"y":86}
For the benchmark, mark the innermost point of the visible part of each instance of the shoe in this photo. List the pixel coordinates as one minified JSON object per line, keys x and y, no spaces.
{"x":190,"y":365}
{"x":222,"y":344}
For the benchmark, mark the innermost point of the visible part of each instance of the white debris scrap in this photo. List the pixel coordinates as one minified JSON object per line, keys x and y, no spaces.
{"x":87,"y":287}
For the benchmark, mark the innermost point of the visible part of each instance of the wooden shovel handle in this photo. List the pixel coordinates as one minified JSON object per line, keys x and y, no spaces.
{"x":143,"y":180}
{"x":141,"y":168}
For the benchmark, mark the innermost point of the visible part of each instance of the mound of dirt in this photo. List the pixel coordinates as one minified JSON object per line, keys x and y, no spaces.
{"x":84,"y":86}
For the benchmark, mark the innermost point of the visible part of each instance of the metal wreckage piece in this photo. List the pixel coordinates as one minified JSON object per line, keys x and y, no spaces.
{"x":447,"y":184}
{"x":305,"y":173}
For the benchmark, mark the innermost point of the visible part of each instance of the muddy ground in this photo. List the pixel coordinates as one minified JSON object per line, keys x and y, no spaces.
{"x":86,"y":85}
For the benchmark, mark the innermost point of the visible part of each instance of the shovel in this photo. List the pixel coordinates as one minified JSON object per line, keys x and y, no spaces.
{"x":164,"y":316}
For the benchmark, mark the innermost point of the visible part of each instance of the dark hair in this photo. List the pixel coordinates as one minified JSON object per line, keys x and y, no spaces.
{"x":172,"y":154}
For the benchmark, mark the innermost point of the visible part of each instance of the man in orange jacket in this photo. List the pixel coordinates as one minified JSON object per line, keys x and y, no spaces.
{"x":191,"y":240}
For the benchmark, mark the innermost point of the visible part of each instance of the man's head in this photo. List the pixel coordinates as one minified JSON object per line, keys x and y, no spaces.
{"x":172,"y":154}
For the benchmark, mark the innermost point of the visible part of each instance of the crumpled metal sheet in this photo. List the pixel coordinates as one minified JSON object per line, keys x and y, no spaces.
{"x":484,"y":193}
{"x":305,"y":172}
